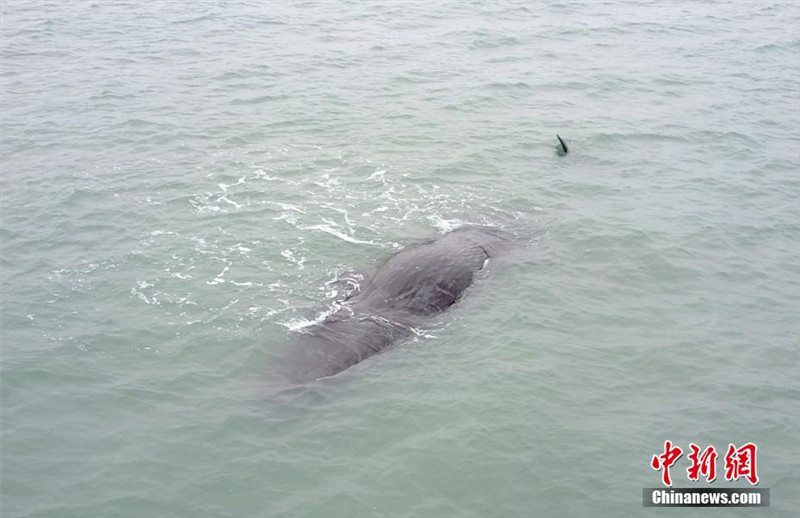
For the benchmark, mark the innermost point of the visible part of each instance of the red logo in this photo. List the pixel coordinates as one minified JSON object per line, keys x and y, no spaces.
{"x":665,"y":461}
{"x":739,"y":462}
{"x":702,"y":463}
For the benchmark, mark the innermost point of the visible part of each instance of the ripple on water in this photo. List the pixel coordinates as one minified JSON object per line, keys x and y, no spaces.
{"x":182,"y":186}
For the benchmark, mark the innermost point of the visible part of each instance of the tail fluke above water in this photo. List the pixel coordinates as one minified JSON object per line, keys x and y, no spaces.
{"x":564,"y":149}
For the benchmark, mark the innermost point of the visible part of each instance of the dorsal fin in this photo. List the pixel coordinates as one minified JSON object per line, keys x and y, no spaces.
{"x":564,"y":147}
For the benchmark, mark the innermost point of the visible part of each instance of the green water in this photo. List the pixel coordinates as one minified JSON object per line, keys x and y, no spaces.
{"x":185,"y":182}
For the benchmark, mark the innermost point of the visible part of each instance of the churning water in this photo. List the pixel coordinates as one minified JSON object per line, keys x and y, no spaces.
{"x":183,"y":182}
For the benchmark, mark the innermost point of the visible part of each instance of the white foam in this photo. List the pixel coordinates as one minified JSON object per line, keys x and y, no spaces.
{"x":218,"y":279}
{"x":338,"y":233}
{"x":246,"y":283}
{"x":378,"y":175}
{"x":224,"y":187}
{"x":231,"y":303}
{"x":289,"y":206}
{"x":445,"y":225}
{"x":229,"y":201}
{"x":326,"y":181}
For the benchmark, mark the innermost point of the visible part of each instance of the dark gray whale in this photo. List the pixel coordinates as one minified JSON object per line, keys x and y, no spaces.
{"x":421,"y":280}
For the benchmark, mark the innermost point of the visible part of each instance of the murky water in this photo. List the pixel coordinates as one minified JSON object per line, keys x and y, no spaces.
{"x":184,"y":183}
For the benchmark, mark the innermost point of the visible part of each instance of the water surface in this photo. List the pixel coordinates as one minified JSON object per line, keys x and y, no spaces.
{"x":184,"y":183}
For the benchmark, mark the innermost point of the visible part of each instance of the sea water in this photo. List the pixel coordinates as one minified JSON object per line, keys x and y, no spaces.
{"x":185,"y":183}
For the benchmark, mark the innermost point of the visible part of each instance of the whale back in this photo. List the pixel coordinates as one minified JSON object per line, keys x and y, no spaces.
{"x":426,"y":278}
{"x":419,"y":281}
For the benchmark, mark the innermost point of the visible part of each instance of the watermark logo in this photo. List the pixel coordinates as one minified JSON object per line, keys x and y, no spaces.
{"x":741,"y":462}
{"x":665,"y":461}
{"x":738,"y":463}
{"x":705,"y":497}
{"x":704,"y":463}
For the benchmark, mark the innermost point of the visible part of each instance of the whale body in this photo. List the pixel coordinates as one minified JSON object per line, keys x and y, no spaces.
{"x":420,"y":281}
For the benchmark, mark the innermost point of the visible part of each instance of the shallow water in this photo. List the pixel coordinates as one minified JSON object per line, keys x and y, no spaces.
{"x":184,"y":183}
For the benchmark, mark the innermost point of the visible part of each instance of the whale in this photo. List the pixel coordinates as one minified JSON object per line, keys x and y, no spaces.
{"x":422,"y":280}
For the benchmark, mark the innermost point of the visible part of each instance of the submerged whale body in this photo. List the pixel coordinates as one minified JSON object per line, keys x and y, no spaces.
{"x":419,"y":281}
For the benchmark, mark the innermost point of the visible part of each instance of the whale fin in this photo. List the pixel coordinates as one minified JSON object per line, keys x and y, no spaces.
{"x":564,"y":149}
